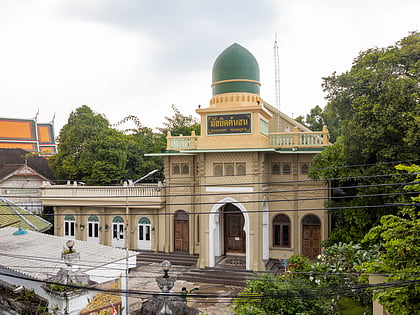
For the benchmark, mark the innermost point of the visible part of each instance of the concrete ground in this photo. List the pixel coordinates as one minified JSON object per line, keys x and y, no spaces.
{"x":218,"y":302}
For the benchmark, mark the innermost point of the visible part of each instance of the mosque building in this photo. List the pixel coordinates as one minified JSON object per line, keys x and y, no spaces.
{"x":239,"y":189}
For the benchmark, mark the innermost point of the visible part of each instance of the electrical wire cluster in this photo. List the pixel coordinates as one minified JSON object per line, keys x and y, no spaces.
{"x":353,"y":290}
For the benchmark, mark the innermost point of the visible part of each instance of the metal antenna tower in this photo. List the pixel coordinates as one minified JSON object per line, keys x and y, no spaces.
{"x":277,"y":80}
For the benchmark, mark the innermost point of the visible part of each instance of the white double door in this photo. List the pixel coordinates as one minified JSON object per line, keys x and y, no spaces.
{"x":144,"y":239}
{"x":93,"y":232}
{"x":118,"y":235}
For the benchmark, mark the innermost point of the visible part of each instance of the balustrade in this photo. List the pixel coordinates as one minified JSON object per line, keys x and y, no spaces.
{"x":67,"y":191}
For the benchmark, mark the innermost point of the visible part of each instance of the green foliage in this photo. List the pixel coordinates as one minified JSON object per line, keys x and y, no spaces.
{"x":141,"y":142}
{"x":276,"y":294}
{"x":179,"y":124}
{"x":26,"y":295}
{"x":328,"y":285}
{"x":319,"y":117}
{"x":89,"y":150}
{"x":348,"y":306}
{"x":59,"y":288}
{"x":327,"y":163}
{"x":398,"y":237}
{"x":298,"y":263}
{"x":376,"y":103}
{"x":340,"y":265}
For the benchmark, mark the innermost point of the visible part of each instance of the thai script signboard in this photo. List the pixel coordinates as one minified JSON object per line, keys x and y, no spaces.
{"x":228,"y":124}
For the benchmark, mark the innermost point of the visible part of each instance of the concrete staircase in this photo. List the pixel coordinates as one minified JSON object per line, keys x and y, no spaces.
{"x":274,"y":265}
{"x":176,"y":258}
{"x":233,"y":273}
{"x":226,"y":276}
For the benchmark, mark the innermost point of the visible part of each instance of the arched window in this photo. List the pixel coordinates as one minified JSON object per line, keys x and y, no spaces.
{"x":240,"y":169}
{"x":218,"y":169}
{"x":281,"y":230}
{"x":229,"y":169}
{"x":69,"y":225}
{"x":176,"y":169}
{"x":185,"y":169}
{"x":144,"y":220}
{"x":286,"y":169}
{"x":304,"y":168}
{"x":311,"y":219}
{"x":117,"y":219}
{"x":275,"y":168}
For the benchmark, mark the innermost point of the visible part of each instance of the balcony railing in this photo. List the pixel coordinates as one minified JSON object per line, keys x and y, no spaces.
{"x":295,"y":139}
{"x":144,"y":193}
{"x":182,"y":142}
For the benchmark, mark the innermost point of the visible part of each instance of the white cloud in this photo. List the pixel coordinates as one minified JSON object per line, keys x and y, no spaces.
{"x":133,"y":57}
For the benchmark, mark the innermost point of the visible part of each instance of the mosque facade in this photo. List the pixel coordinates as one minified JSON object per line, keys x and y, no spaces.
{"x":239,"y":189}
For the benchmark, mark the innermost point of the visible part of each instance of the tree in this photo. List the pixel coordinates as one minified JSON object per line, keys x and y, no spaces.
{"x":180,"y":124}
{"x":279,"y":294}
{"x":328,"y":285}
{"x":319,"y":117}
{"x":398,"y":237}
{"x":89,"y":150}
{"x":376,"y":104}
{"x":142,"y":140}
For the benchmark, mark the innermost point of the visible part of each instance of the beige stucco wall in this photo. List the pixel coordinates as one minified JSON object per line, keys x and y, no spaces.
{"x":192,"y":186}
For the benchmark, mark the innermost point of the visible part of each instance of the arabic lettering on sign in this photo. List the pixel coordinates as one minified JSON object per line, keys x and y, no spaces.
{"x":228,"y":124}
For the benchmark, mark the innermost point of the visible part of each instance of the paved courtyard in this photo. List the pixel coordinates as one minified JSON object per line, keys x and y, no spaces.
{"x":143,"y":277}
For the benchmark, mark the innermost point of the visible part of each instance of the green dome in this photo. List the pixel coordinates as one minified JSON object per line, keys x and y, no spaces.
{"x":236,"y":70}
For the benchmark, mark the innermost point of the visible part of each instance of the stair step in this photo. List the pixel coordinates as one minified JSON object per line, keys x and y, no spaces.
{"x":183,"y":259}
{"x":274,"y":265}
{"x":217,"y":276}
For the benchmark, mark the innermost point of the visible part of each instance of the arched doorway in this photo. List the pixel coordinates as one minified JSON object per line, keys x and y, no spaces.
{"x":216,"y":230}
{"x":181,"y":231}
{"x":233,"y":227}
{"x":93,"y":229}
{"x":145,"y":238}
{"x":311,"y":236}
{"x":69,"y":226}
{"x":118,"y":231}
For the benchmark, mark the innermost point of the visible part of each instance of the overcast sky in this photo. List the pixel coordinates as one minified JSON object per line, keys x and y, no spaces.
{"x":137,"y":57}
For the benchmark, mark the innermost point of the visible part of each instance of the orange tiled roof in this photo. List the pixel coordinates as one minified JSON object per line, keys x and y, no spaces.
{"x":28,"y":134}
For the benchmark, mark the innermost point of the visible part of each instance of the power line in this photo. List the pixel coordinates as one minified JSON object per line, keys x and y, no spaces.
{"x":293,"y":172}
{"x":235,"y":184}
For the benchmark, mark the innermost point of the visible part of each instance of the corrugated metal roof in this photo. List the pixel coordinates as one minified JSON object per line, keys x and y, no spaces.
{"x":38,"y":255}
{"x":9,"y":212}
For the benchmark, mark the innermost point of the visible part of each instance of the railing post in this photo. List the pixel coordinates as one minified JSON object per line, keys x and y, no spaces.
{"x":325,"y":135}
{"x":193,"y":140}
{"x":168,"y":140}
{"x":295,"y":136}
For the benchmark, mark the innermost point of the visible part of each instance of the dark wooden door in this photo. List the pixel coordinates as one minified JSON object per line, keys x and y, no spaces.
{"x":234,"y":232}
{"x":181,"y":232}
{"x":311,"y":242}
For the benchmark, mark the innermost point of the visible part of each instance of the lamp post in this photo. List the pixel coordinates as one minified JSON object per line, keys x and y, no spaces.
{"x":166,"y":282}
{"x":126,"y":242}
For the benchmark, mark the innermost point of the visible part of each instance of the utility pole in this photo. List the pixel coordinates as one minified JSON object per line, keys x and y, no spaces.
{"x":277,"y":80}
